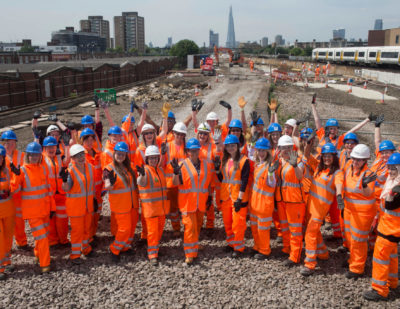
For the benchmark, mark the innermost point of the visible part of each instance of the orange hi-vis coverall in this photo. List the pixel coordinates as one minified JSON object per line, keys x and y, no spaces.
{"x":155,"y":206}
{"x":234,"y":222}
{"x":124,"y":204}
{"x":7,"y":215}
{"x":322,"y":195}
{"x":385,"y":260}
{"x":36,"y":203}
{"x":359,"y":212}
{"x":58,"y":229}
{"x":131,"y":138}
{"x":20,"y":236}
{"x":291,"y":209}
{"x":193,"y":193}
{"x":261,"y":208}
{"x":95,"y":161}
{"x":338,"y":142}
{"x":97,"y":146}
{"x":173,"y":152}
{"x":80,"y":208}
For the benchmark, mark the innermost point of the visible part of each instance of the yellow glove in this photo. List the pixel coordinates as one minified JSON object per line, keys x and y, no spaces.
{"x":242,"y":103}
{"x":247,"y":135}
{"x":273,"y":105}
{"x":165,"y":109}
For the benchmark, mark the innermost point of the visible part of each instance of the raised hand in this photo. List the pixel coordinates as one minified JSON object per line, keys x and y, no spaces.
{"x":200,"y":105}
{"x":14,"y":169}
{"x":37,"y":132}
{"x":293,"y":158}
{"x":194,"y":105}
{"x":217,"y":163}
{"x":241,"y":102}
{"x":37,"y":114}
{"x":368,"y":179}
{"x":66,"y":138}
{"x":254,"y":117}
{"x":372,"y":116}
{"x":141,"y":170}
{"x":304,"y":119}
{"x":273,"y":105}
{"x":396,"y":189}
{"x":379,"y":120}
{"x":145,"y":105}
{"x":273,"y":166}
{"x":133,"y":105}
{"x":175,"y":165}
{"x":255,"y":137}
{"x":71,"y":125}
{"x":217,"y":135}
{"x":53,"y":118}
{"x":311,"y":137}
{"x":314,"y":99}
{"x":96,"y":101}
{"x":225,"y":104}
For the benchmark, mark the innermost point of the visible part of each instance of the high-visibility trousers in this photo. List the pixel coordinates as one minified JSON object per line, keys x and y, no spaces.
{"x":235,"y":225}
{"x":174,"y":213}
{"x":192,"y":223}
{"x":277,"y":224}
{"x":143,"y":235}
{"x":384,"y":266}
{"x":210,"y":214}
{"x":155,"y":228}
{"x":80,"y":234}
{"x":6,"y":238}
{"x":40,"y":231}
{"x":315,"y":247}
{"x":58,"y":229}
{"x":124,"y":232}
{"x":19,"y":233}
{"x":357,"y":230}
{"x":134,"y":220}
{"x":291,"y":216}
{"x":260,"y":228}
{"x":334,"y":214}
{"x":344,"y":227}
{"x":96,"y":218}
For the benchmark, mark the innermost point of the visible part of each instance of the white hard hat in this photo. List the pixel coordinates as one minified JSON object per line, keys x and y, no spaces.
{"x":180,"y":127}
{"x":285,"y":140}
{"x":75,"y":149}
{"x":52,"y":128}
{"x":204,"y":127}
{"x":212,"y":116}
{"x":360,"y":151}
{"x":152,"y":150}
{"x":148,"y":127}
{"x":291,"y":122}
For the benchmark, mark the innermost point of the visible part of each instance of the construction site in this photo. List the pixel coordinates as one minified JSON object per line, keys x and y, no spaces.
{"x":216,"y":281}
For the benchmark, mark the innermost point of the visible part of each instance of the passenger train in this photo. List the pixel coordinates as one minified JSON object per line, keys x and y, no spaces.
{"x":370,"y":55}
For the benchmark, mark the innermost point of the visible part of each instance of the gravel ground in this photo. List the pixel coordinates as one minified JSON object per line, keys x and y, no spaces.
{"x":216,"y":280}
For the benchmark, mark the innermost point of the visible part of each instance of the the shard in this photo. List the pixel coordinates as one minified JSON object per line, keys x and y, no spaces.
{"x":231,"y":41}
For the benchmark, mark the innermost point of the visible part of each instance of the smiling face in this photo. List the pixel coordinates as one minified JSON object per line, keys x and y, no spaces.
{"x":193,"y":154}
{"x":79,"y":159}
{"x":333,"y":132}
{"x":358,"y":164}
{"x":236,"y":131}
{"x":349,"y":145}
{"x":231,"y":149}
{"x":262,"y":154}
{"x":115,"y":138}
{"x":119,"y":156}
{"x":275,"y":137}
{"x":88,"y":142}
{"x":34,"y":158}
{"x":288,"y":130}
{"x":179,"y":137}
{"x":9,"y":145}
{"x":153,"y":160}
{"x":55,"y":134}
{"x":327,"y":159}
{"x":149,"y":137}
{"x":50,"y":151}
{"x":203,"y":137}
{"x":284,"y":151}
{"x":385,"y":154}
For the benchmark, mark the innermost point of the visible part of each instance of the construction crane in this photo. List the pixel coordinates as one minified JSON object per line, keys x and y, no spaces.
{"x":234,"y":57}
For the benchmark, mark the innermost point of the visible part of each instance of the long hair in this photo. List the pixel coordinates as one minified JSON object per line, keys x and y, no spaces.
{"x":267,"y":159}
{"x":334,"y":167}
{"x":3,"y":164}
{"x":124,"y":168}
{"x":236,"y":158}
{"x":241,"y":138}
{"x":154,"y":139}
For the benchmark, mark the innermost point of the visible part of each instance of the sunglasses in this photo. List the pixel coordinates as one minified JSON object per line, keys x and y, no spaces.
{"x":148,"y":133}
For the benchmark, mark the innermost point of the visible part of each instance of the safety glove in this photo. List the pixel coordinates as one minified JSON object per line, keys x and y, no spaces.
{"x":217,"y":163}
{"x":273,"y":105}
{"x":71,"y":125}
{"x":145,"y":105}
{"x":277,"y":107}
{"x":140,"y":170}
{"x":238,"y":205}
{"x":225,"y":104}
{"x":64,"y":174}
{"x":133,"y":105}
{"x":175,"y":165}
{"x":209,"y":202}
{"x":112,"y":177}
{"x":273,"y":166}
{"x":217,"y":135}
{"x":163,"y":148}
{"x":340,"y":202}
{"x":254,"y":117}
{"x":194,"y":105}
{"x":66,"y":138}
{"x":14,"y":169}
{"x":53,"y":118}
{"x":96,"y":101}
{"x":255,"y":138}
{"x":242,"y":102}
{"x":200,"y":105}
{"x":372,"y":116}
{"x":165,"y":109}
{"x":37,"y":132}
{"x":37,"y":114}
{"x":304,"y":119}
{"x":314,"y":99}
{"x":379,"y":120}
{"x":311,"y":137}
{"x":368,"y":179}
{"x":293,"y":158}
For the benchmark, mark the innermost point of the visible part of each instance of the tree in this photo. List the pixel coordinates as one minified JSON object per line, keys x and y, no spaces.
{"x":308,"y":51}
{"x":26,"y":49}
{"x":184,"y":48}
{"x":118,"y":49}
{"x":133,"y":50}
{"x":296,"y":51}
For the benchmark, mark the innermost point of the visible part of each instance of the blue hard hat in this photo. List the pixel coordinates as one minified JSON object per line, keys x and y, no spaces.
{"x":394,"y":159}
{"x":263,"y":143}
{"x":328,"y":148}
{"x":193,"y":144}
{"x":87,"y":119}
{"x":33,"y":148}
{"x":8,"y":135}
{"x":2,"y":151}
{"x":236,"y":123}
{"x":274,"y":127}
{"x":350,"y":136}
{"x":259,"y":121}
{"x":306,"y":132}
{"x":86,"y":132}
{"x":50,"y":141}
{"x":115,"y":130}
{"x":121,"y":146}
{"x":231,"y":139}
{"x":386,"y":145}
{"x":126,"y":117}
{"x":171,"y":115}
{"x":332,"y":122}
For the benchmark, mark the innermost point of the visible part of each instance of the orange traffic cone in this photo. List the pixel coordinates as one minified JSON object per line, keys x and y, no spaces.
{"x":351,"y":88}
{"x":326,"y":83}
{"x":196,"y":91}
{"x":383,"y":97}
{"x":365,"y":85}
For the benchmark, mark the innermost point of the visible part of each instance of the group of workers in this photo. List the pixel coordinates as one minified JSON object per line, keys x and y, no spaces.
{"x":295,"y":178}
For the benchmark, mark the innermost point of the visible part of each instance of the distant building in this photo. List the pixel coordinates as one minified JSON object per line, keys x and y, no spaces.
{"x":96,"y":24}
{"x":388,"y":37}
{"x":253,"y":45}
{"x":313,"y":44}
{"x":129,"y":31}
{"x":150,"y":44}
{"x":378,"y":24}
{"x":279,"y":41}
{"x":169,"y":42}
{"x":339,"y":34}
{"x":264,"y":42}
{"x":214,"y":39}
{"x":15,"y":46}
{"x":231,"y":41}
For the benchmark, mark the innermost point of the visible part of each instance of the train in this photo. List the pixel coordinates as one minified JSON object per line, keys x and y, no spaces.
{"x":370,"y":55}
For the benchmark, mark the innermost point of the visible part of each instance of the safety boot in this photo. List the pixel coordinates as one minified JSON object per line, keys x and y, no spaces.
{"x":260,"y":256}
{"x":154,"y":261}
{"x":351,"y":275}
{"x":228,"y":249}
{"x":289,"y":263}
{"x":10,"y":268}
{"x":237,"y":254}
{"x":46,"y":269}
{"x":24,"y":248}
{"x":189,"y":260}
{"x":3,"y":276}
{"x":77,"y":261}
{"x":305,"y":271}
{"x":115,"y":258}
{"x":373,"y":295}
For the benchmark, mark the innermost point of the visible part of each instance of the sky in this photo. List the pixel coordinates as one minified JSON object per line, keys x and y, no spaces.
{"x":304,"y":20}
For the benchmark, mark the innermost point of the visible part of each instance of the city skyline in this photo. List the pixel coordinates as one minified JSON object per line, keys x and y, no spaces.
{"x":252,"y":21}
